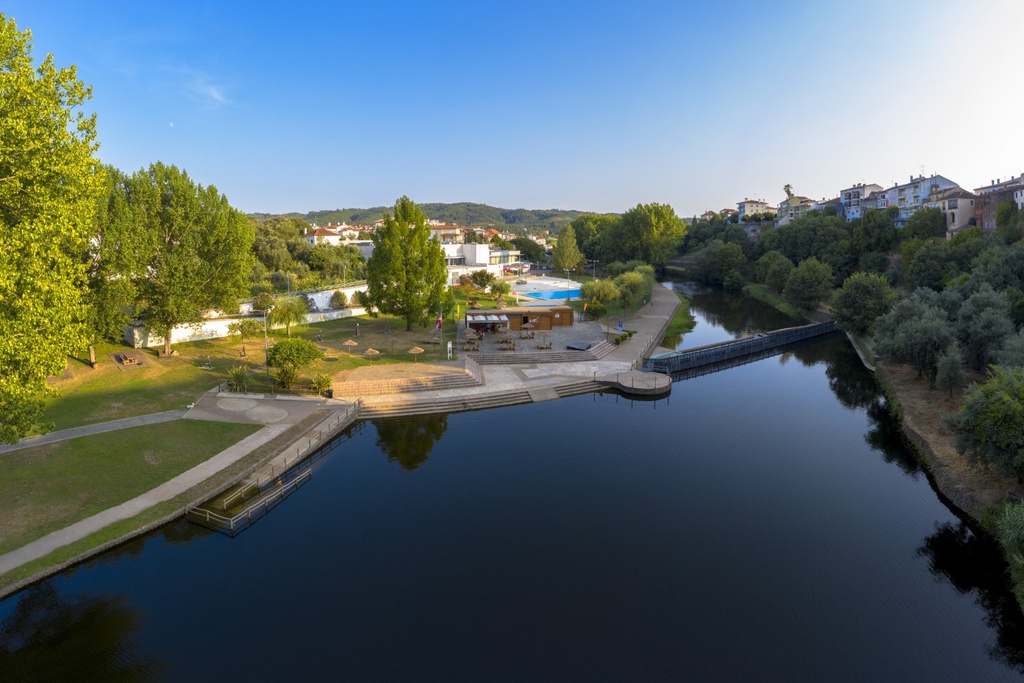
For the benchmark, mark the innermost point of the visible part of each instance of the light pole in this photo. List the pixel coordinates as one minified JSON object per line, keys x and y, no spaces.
{"x":266,"y":342}
{"x":595,"y":261}
{"x":568,"y":280}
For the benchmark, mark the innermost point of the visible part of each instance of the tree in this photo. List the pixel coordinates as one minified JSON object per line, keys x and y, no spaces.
{"x":288,"y":311}
{"x":949,"y":373}
{"x":567,"y":254}
{"x":295,"y":353}
{"x":916,"y":334}
{"x":808,"y":283}
{"x":925,"y":223}
{"x":983,"y":324}
{"x":406,"y":274}
{"x":874,"y":231}
{"x":482,"y":278}
{"x":1011,"y":353}
{"x":649,"y":232}
{"x":339,"y":299}
{"x":990,"y":423}
{"x":528,"y":249}
{"x":862,"y":298}
{"x":49,"y":185}
{"x":500,"y":289}
{"x":772,"y":269}
{"x":602,"y":291}
{"x":929,"y":267}
{"x":246,"y":329}
{"x":199,"y":253}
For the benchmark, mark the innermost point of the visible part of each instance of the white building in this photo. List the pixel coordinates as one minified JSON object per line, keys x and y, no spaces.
{"x":851,"y":197}
{"x":749,"y":207}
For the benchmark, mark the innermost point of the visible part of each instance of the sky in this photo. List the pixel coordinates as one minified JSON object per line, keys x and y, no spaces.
{"x":593,"y":106}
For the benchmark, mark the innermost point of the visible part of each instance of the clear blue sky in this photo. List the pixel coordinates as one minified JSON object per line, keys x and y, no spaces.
{"x":575,"y":105}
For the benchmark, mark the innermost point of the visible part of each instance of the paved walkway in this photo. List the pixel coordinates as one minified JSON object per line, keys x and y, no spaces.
{"x":278,"y":414}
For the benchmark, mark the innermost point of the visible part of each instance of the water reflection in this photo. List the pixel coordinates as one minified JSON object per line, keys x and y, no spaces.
{"x":972,"y":563}
{"x":408,"y":441}
{"x":729,"y":315}
{"x":72,"y":638}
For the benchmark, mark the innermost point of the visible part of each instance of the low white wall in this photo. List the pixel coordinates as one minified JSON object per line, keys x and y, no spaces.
{"x":216,"y":326}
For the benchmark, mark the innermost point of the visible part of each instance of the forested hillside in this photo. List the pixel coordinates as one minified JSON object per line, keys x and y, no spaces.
{"x":462,"y":213}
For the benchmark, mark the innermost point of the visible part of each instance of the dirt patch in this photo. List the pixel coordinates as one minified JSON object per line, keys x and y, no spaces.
{"x":151,"y":457}
{"x":971,"y":488}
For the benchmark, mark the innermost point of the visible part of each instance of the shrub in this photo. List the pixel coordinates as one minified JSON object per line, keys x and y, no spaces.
{"x":321,"y":383}
{"x":263,"y":301}
{"x":238,"y":377}
{"x":595,"y":310}
{"x":286,"y":376}
{"x":339,"y":299}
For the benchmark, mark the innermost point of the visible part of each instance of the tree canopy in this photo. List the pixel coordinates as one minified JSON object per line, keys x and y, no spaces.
{"x":990,"y":425}
{"x":406,"y":275}
{"x":567,"y":254}
{"x":191,"y":252}
{"x":862,"y":298}
{"x":649,"y":232}
{"x":50,"y":182}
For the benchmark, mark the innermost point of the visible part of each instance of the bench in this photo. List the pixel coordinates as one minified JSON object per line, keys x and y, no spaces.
{"x":128,"y":360}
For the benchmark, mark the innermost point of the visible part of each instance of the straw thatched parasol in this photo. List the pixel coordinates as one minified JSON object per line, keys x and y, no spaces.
{"x":415,"y":351}
{"x":350,"y":343}
{"x":371,"y":352}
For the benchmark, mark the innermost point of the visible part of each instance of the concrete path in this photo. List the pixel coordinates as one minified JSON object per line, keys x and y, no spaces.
{"x":97,"y":428}
{"x":183,"y":482}
{"x":278,"y":414}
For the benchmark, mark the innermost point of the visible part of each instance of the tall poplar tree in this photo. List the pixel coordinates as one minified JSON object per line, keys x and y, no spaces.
{"x":406,"y":274}
{"x":199,"y":252}
{"x":567,"y":254}
{"x":49,"y":183}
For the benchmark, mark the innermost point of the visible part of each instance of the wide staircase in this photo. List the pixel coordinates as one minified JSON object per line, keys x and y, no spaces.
{"x":454,"y":380}
{"x":454,"y":404}
{"x":595,"y":352}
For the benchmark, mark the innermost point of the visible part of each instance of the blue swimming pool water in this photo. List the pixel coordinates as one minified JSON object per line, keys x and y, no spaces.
{"x":557,"y":294}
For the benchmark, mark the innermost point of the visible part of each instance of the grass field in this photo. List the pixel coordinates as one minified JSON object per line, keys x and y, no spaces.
{"x":48,"y":487}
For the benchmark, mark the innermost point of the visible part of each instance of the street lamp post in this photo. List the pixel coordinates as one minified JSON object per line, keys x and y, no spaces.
{"x":568,"y":281}
{"x":595,"y":261}
{"x":266,"y":342}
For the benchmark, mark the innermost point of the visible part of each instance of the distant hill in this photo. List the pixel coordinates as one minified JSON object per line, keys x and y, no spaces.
{"x":462,"y":213}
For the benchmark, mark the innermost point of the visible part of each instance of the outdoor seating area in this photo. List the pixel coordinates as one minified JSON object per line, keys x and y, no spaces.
{"x":126,"y":359}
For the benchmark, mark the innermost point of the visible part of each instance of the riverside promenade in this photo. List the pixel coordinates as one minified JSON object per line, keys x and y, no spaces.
{"x":518,"y":380}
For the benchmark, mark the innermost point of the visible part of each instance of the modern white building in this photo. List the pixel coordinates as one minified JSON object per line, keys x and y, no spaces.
{"x":851,"y":197}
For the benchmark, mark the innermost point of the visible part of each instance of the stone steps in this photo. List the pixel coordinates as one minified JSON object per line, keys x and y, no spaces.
{"x":406,"y":385}
{"x":455,"y":404}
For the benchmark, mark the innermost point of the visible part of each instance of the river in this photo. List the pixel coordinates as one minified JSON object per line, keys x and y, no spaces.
{"x":762,"y":523}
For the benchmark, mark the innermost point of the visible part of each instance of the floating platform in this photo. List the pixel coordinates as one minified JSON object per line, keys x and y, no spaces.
{"x":639,"y":383}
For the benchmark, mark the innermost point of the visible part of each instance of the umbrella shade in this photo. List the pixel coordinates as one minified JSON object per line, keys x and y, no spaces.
{"x":415,"y":351}
{"x":371,"y":352}
{"x":350,"y":343}
{"x":527,"y":326}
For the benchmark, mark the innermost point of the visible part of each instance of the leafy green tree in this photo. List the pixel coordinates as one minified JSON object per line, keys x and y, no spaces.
{"x":983,"y":324}
{"x":295,"y":353}
{"x":590,"y":230}
{"x":949,"y":372}
{"x":339,"y":299}
{"x":602,"y":291}
{"x":288,"y":311}
{"x":925,"y":223}
{"x":406,"y":274}
{"x":263,"y":301}
{"x":862,"y":298}
{"x":200,"y":249}
{"x":321,"y":383}
{"x":729,"y":261}
{"x":929,"y":267}
{"x":633,"y":287}
{"x":874,"y":231}
{"x":247,"y":328}
{"x":567,"y":254}
{"x":809,"y":283}
{"x":528,"y":249}
{"x":49,"y":186}
{"x":482,"y":278}
{"x":990,"y":423}
{"x":916,"y":334}
{"x":500,"y":289}
{"x":649,"y":232}
{"x":1011,"y":353}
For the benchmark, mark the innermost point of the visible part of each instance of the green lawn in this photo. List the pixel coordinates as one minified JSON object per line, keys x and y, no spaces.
{"x":763,"y":293}
{"x":48,"y":487}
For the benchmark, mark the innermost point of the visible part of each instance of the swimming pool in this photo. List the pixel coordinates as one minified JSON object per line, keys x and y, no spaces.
{"x":557,"y":294}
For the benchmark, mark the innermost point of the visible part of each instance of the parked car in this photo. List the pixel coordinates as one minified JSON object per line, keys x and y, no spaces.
{"x":520,"y":282}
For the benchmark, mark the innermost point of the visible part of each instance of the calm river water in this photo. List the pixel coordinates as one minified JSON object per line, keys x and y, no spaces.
{"x":763,"y":523}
